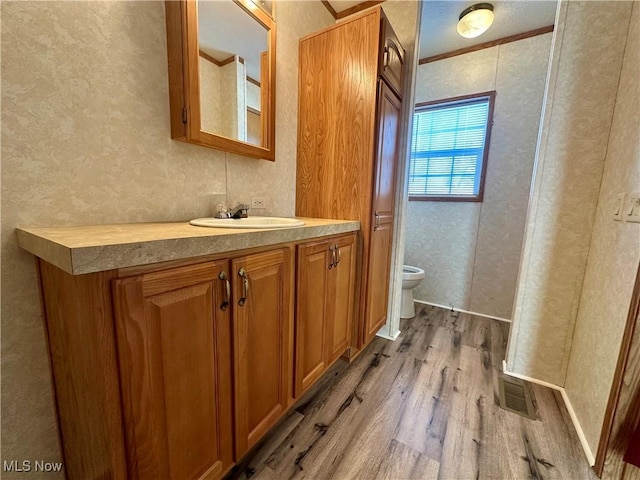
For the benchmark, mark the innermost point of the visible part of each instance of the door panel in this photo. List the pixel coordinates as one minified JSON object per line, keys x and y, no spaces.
{"x":311,"y":314}
{"x":392,"y":58}
{"x":381,"y":238}
{"x":389,"y":110}
{"x":261,"y":333}
{"x":341,"y":303}
{"x":184,"y":319}
{"x":378,"y":275}
{"x":175,"y":352}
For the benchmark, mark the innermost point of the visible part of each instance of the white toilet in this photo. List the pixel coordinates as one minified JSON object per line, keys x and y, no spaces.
{"x":411,"y":277}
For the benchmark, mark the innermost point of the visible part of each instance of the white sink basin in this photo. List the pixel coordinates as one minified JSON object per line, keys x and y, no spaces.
{"x":250,"y":222}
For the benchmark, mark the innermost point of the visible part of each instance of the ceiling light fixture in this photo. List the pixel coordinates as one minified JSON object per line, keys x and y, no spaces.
{"x":475,"y":20}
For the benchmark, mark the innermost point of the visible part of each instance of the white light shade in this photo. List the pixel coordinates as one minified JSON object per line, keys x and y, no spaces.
{"x":475,"y":21}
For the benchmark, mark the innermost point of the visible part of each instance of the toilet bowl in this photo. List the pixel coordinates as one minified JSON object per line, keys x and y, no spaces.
{"x":411,"y":277}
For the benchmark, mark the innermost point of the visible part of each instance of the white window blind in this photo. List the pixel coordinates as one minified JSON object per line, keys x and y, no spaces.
{"x":448,"y":148}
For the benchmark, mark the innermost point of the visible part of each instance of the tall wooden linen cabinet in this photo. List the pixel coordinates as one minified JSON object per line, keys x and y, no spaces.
{"x":350,"y":102}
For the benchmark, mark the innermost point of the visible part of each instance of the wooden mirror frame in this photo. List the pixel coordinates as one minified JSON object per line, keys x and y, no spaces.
{"x":184,"y":84}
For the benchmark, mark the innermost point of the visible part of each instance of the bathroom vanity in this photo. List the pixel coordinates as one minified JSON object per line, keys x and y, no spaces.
{"x":175,"y":348}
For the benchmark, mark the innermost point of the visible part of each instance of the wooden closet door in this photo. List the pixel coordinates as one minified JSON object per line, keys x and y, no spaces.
{"x":261,"y":328}
{"x":174,"y":347}
{"x":381,"y":239}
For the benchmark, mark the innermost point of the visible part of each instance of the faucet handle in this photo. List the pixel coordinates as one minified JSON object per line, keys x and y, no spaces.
{"x":222,"y":211}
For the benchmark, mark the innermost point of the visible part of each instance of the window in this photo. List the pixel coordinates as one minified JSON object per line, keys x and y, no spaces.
{"x":450,"y":147}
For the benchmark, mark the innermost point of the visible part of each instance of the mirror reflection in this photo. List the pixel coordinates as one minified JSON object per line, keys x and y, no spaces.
{"x":233,"y":67}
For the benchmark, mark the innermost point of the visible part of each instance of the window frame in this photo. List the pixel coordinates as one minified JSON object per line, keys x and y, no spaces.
{"x":490,"y":96}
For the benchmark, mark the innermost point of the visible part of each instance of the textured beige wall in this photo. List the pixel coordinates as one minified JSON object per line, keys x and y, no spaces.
{"x":240,"y":102}
{"x":568,"y":177}
{"x":613,"y":256}
{"x":471,"y":251}
{"x":229,"y":96}
{"x":86,"y":139}
{"x":210,"y":102}
{"x":253,"y":96}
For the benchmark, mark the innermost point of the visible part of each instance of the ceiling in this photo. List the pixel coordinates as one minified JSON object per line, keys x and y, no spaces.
{"x":439,"y":18}
{"x":225,"y":29}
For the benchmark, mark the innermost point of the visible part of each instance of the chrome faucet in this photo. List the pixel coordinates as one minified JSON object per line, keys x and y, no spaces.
{"x":239,"y":211}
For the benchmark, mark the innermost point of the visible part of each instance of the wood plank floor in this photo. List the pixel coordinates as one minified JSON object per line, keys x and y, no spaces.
{"x":422,"y":407}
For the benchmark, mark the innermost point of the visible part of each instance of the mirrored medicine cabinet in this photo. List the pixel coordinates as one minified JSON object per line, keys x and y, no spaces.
{"x":221,"y":56}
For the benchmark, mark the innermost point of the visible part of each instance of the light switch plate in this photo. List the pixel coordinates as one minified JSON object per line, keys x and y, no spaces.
{"x":618,"y":208}
{"x":632,"y":208}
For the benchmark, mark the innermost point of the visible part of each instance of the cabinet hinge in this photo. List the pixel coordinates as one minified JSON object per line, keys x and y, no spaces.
{"x":184,"y":114}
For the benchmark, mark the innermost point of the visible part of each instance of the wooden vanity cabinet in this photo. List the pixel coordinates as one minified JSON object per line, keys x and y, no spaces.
{"x":350,"y":90}
{"x":325,"y":275}
{"x":174,"y":348}
{"x":176,"y":370}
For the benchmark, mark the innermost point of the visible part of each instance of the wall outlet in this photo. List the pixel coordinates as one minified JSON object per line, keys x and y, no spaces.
{"x":258,"y":203}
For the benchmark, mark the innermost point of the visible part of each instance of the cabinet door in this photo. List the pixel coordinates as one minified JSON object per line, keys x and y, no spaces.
{"x":262,"y":285}
{"x":391,"y":58}
{"x":381,"y":238}
{"x":313,"y":272}
{"x":378,"y":279}
{"x":341,"y":299}
{"x":174,"y":347}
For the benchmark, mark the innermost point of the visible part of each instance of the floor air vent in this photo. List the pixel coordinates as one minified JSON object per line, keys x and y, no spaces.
{"x":516,"y":396}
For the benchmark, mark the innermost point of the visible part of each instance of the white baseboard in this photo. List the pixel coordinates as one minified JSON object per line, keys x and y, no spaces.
{"x":393,"y":337}
{"x":572,"y":413}
{"x":583,"y":439}
{"x":529,"y":379}
{"x":448,"y":307}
